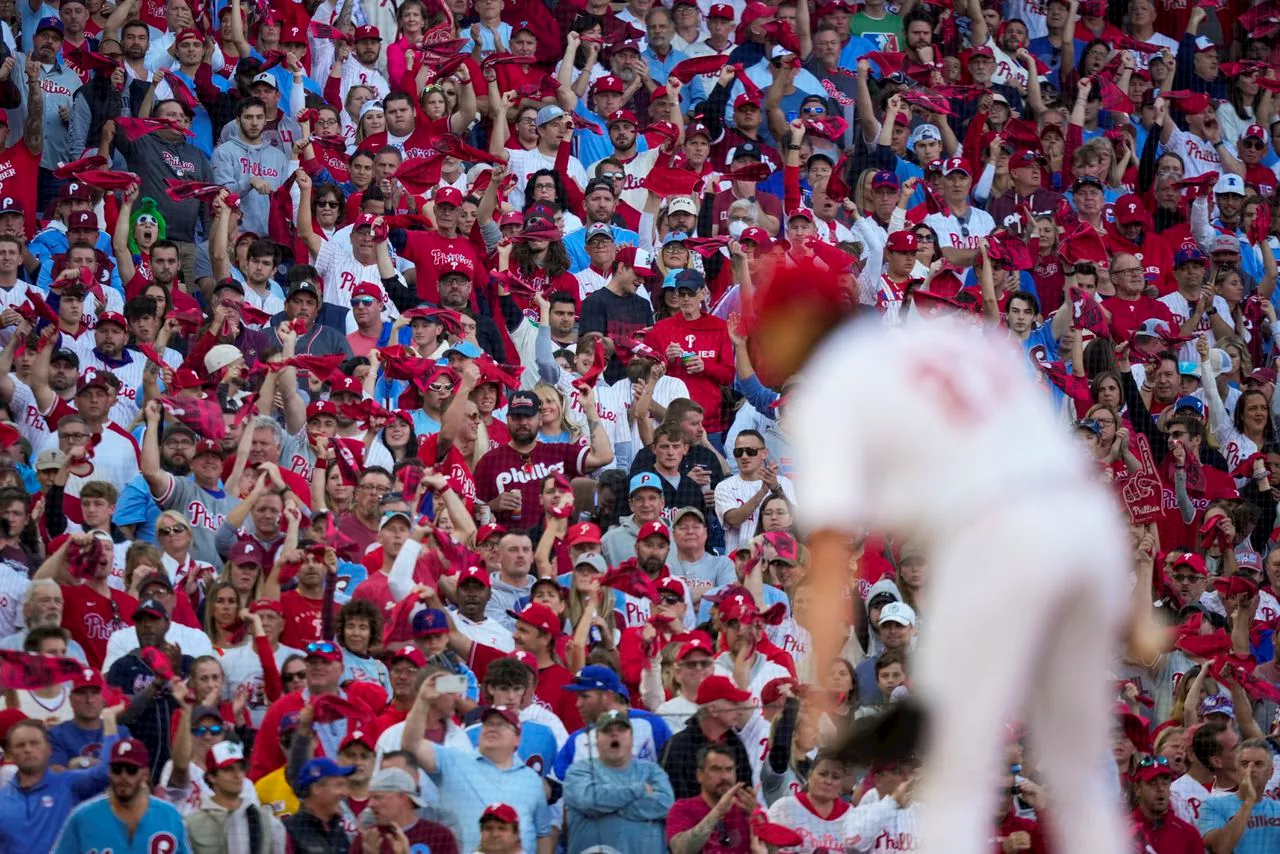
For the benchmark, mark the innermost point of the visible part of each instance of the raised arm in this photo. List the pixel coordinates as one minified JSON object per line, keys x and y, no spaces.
{"x":415,"y":726}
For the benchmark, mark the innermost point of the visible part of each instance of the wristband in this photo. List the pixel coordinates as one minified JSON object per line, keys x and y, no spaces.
{"x":321,"y":465}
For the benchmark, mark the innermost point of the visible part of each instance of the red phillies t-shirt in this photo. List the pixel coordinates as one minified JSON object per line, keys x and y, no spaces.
{"x":1128,"y":315}
{"x":91,"y":618}
{"x":708,"y":336}
{"x":430,"y":252}
{"x":19,"y":169}
{"x":503,"y":469}
{"x":302,"y":619}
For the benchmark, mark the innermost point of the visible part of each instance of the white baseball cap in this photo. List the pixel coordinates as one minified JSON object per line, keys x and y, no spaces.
{"x":268,"y":78}
{"x":898,"y":612}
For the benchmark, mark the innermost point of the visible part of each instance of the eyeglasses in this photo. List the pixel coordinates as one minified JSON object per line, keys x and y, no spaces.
{"x":1253,"y":143}
{"x":1125,"y":271}
{"x":74,"y":437}
{"x":670,"y":599}
{"x":696,"y":664}
{"x":120,"y":769}
{"x":362,"y":302}
{"x":375,"y":490}
{"x":326,"y":647}
{"x":211,"y":729}
{"x":166,"y":532}
{"x":332,"y":203}
{"x":685,"y":293}
{"x":747,"y":452}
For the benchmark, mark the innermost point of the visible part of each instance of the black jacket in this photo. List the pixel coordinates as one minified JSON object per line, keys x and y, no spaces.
{"x":680,"y":759}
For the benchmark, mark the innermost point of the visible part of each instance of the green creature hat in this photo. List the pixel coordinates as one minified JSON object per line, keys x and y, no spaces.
{"x":146,"y":207}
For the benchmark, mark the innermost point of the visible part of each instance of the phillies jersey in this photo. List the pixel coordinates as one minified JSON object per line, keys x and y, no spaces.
{"x":454,"y":466}
{"x":708,"y":337}
{"x":19,"y":169}
{"x":1181,"y":308}
{"x":884,"y":826}
{"x":1186,"y":796}
{"x":940,"y":405}
{"x":128,"y":369}
{"x":503,"y":470}
{"x":93,"y":826}
{"x":116,"y":458}
{"x":91,"y":618}
{"x":302,"y":619}
{"x":833,"y":832}
{"x":889,"y":298}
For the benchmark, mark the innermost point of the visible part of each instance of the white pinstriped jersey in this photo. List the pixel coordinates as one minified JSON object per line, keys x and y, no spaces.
{"x":13,"y":586}
{"x":14,"y":296}
{"x":130,"y":375}
{"x":884,"y":826}
{"x":26,"y":414}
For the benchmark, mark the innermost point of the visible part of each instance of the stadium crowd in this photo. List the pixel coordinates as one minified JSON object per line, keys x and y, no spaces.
{"x":386,"y":468}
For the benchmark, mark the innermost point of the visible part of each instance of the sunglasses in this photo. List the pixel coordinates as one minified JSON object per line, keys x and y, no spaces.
{"x":212,"y":729}
{"x":814,"y":110}
{"x":613,"y":176}
{"x":670,"y":599}
{"x":1153,"y":762}
{"x":746,"y":452}
{"x":165,"y":532}
{"x":326,"y":647}
{"x":363,"y":302}
{"x":120,"y":769}
{"x":1184,"y":578}
{"x":297,"y":674}
{"x":329,"y":204}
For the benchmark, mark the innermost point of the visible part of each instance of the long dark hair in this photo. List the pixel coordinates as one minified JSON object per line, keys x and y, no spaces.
{"x":562,"y":199}
{"x":555,"y":262}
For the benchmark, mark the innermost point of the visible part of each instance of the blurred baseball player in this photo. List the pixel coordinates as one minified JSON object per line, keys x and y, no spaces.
{"x":943,"y":437}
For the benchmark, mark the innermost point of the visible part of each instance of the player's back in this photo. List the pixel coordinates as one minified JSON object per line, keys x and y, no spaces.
{"x":921,"y":425}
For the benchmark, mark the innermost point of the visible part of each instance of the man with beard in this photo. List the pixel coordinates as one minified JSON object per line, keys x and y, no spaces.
{"x":432,"y":252}
{"x":600,"y":204}
{"x":111,"y":354}
{"x":137,"y":511}
{"x":200,"y":497}
{"x":41,"y":607}
{"x":128,"y":812}
{"x":608,"y":94}
{"x":193,"y":641}
{"x":57,"y":86}
{"x":1201,"y":145}
{"x":357,"y":66}
{"x":509,"y":477}
{"x":554,"y":128}
{"x":471,"y":600}
{"x":34,"y":807}
{"x":1229,"y":195}
{"x":156,"y":157}
{"x":622,"y":127}
{"x":115,"y":456}
{"x":247,"y":164}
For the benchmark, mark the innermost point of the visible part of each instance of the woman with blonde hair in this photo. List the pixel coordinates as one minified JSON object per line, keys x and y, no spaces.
{"x":554,"y":423}
{"x":175,"y":537}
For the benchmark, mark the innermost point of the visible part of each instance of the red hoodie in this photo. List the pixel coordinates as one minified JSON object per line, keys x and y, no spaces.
{"x":708,"y":336}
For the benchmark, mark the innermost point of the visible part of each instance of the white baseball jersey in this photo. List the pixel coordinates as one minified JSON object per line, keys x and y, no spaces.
{"x":355,"y":74}
{"x":947,"y":403}
{"x":1186,"y":796}
{"x":733,"y":492}
{"x":26,"y":414}
{"x":524,"y":163}
{"x":591,"y":280}
{"x":1181,"y":309}
{"x":961,"y":233}
{"x":13,"y":586}
{"x":831,"y":833}
{"x":130,"y":375}
{"x":884,"y":826}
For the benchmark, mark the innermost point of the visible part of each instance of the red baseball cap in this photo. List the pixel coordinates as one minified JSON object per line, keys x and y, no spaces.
{"x":358,"y":736}
{"x":293,"y":34}
{"x":475,"y":573}
{"x":719,"y":687}
{"x":508,"y":714}
{"x":327,"y":650}
{"x":772,"y":690}
{"x":1128,"y":209}
{"x":500,"y":812}
{"x":1254,"y":132}
{"x":368,"y":289}
{"x":902,"y":241}
{"x":609,"y":83}
{"x":88,"y":678}
{"x":113,"y":317}
{"x":583,"y":532}
{"x":260,"y":605}
{"x":671,"y":584}
{"x":187,"y":34}
{"x":539,"y":616}
{"x":1152,"y":768}
{"x":409,"y":653}
{"x":980,"y":50}
{"x":187,"y":378}
{"x":449,"y":196}
{"x":698,"y":643}
{"x":486,"y":531}
{"x":321,"y":407}
{"x":720,"y":10}
{"x":758,"y":236}
{"x":1192,"y":560}
{"x":621,"y":116}
{"x":955,"y":164}
{"x":648,"y":529}
{"x":368,"y":32}
{"x":130,"y":751}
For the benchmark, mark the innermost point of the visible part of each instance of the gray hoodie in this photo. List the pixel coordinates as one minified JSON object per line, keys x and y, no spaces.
{"x":236,"y":161}
{"x":504,"y":598}
{"x":619,"y":544}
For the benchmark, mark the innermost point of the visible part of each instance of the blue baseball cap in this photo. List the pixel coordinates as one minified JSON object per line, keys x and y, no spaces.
{"x":674,"y":237}
{"x":644,"y":480}
{"x":319,"y":769}
{"x":598,"y":677}
{"x":691,"y":279}
{"x":430,"y":621}
{"x":1189,"y":402}
{"x":50,"y":23}
{"x":464,"y":348}
{"x":1189,"y":369}
{"x":1187,"y":255}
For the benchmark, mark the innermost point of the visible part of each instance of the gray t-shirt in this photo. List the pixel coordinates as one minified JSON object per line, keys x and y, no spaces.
{"x":705,"y":573}
{"x":205,"y":510}
{"x":153,"y":160}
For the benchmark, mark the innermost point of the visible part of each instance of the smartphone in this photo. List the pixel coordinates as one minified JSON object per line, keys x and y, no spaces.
{"x":452,"y":684}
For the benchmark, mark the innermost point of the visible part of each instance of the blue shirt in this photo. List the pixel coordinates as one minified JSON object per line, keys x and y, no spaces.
{"x":469,"y":782}
{"x":772,"y":596}
{"x":649,"y":734}
{"x":137,"y":507}
{"x":30,"y":819}
{"x":537,"y":747}
{"x":1261,"y":835}
{"x":68,"y":740}
{"x":691,"y":94}
{"x":575,"y":243}
{"x":94,"y":827}
{"x":592,"y":146}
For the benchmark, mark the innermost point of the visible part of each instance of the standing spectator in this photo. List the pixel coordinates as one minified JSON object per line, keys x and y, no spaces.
{"x":128,"y":814}
{"x":722,"y":709}
{"x":717,"y":809}
{"x":222,"y":823}
{"x":468,"y":782}
{"x":1155,"y":824}
{"x":897,"y":628}
{"x":598,"y":690}
{"x":647,"y":503}
{"x":614,"y":799}
{"x":79,"y":743}
{"x":738,"y":498}
{"x":1244,"y":821}
{"x":394,"y":801}
{"x":36,"y":803}
{"x":317,"y":827}
{"x":42,"y":604}
{"x":94,"y":609}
